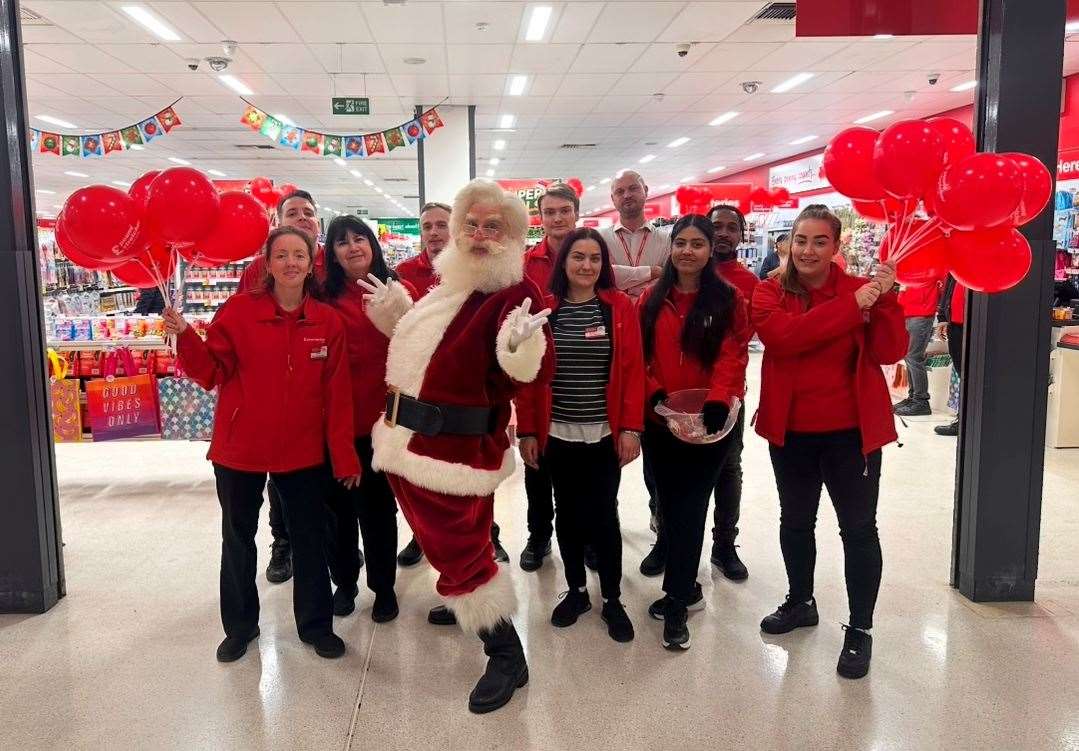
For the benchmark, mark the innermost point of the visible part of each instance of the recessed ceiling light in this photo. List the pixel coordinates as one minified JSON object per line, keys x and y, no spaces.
{"x":414,"y":60}
{"x":590,"y":188}
{"x":751,"y":157}
{"x":339,"y":161}
{"x":379,"y":190}
{"x":498,"y":145}
{"x":178,"y":160}
{"x":537,"y":23}
{"x":604,"y":181}
{"x":874,"y":116}
{"x":677,"y":142}
{"x":151,"y":22}
{"x":883,"y":36}
{"x":726,"y":117}
{"x":121,"y":183}
{"x":507,"y":121}
{"x":236,"y":85}
{"x":966,"y":86}
{"x":217,"y":173}
{"x":368,"y":183}
{"x":689,"y":179}
{"x":803,"y":139}
{"x":665,"y":186}
{"x":76,"y":174}
{"x":55,"y":121}
{"x":646,"y":158}
{"x":493,"y":161}
{"x":716,"y":169}
{"x":355,"y":173}
{"x":795,"y":80}
{"x":46,"y":192}
{"x":490,"y":173}
{"x":517,"y":85}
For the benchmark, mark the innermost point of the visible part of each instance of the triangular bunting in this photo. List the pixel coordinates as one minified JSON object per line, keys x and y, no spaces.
{"x":312,"y":142}
{"x":253,"y":118}
{"x":131,"y":136}
{"x":333,"y":146}
{"x":271,"y":128}
{"x":35,"y":138}
{"x":414,"y":131}
{"x":354,"y":148}
{"x":112,"y":142}
{"x":91,"y":146}
{"x":150,"y":129}
{"x":50,"y":143}
{"x":291,"y":136}
{"x":72,"y":146}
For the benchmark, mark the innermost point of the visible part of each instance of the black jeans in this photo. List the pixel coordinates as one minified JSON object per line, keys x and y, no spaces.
{"x":374,"y":508}
{"x":278,"y":528}
{"x":805,"y":463}
{"x":649,"y":479}
{"x":920,"y":331}
{"x":728,"y":493}
{"x":240,"y":495}
{"x":586,"y":478}
{"x":685,"y":475}
{"x":540,"y":501}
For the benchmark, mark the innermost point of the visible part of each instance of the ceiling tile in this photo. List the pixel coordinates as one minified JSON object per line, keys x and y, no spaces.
{"x":578,"y":104}
{"x":36,"y":64}
{"x":587,"y":84}
{"x":645,"y":83}
{"x":33,"y":34}
{"x":433,"y":88}
{"x":696,"y":83}
{"x":799,"y":55}
{"x":84,"y":58}
{"x":607,"y":58}
{"x":491,"y":85}
{"x":632,"y":21}
{"x":91,"y":21}
{"x":503,"y":22}
{"x":188,"y":22}
{"x":708,"y":21}
{"x":622,"y":104}
{"x":145,"y":58}
{"x":348,"y":58}
{"x":249,"y":22}
{"x":479,"y":58}
{"x":327,"y":21}
{"x":434,"y":55}
{"x":400,"y":23}
{"x":542,"y":58}
{"x":734,"y":57}
{"x":662,"y":58}
{"x":241,"y":61}
{"x":284,"y":58}
{"x":544,"y":85}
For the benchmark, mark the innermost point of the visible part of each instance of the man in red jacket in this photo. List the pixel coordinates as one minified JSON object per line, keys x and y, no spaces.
{"x":919,"y":305}
{"x":419,"y":271}
{"x":558,"y":207}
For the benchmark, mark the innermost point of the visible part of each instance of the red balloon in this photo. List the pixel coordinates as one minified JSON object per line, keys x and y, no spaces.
{"x":140,"y":189}
{"x":102,"y":222}
{"x":286,"y":189}
{"x":884,"y":211}
{"x":780,"y":195}
{"x":848,"y":164}
{"x":262,"y":189}
{"x":240,"y":231}
{"x":908,"y":158}
{"x":1037,"y":187}
{"x":144,"y":270}
{"x":990,"y":260}
{"x":577,"y":185}
{"x":182,"y":205}
{"x":979,"y":192}
{"x":761,"y":197}
{"x":958,"y":138}
{"x":71,"y":251}
{"x":927,"y":264}
{"x":744,"y":206}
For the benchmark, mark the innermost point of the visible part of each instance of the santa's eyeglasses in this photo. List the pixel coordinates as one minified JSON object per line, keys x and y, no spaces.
{"x":489,"y":229}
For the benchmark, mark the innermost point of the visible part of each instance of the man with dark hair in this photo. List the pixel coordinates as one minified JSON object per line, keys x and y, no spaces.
{"x":419,"y":271}
{"x":775,"y":255}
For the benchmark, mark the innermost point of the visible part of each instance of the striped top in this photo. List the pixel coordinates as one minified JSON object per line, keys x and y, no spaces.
{"x":582,"y":363}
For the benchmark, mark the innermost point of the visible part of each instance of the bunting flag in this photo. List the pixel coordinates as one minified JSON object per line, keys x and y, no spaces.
{"x":96,"y":145}
{"x":349,"y":146}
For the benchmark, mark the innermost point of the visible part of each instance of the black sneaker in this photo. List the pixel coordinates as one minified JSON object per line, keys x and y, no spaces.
{"x":902,"y":404}
{"x":440,"y":615}
{"x":951,"y":429}
{"x":500,"y":552}
{"x":675,"y":628}
{"x":279,"y":569}
{"x":857,"y":650}
{"x":385,"y":608}
{"x":725,"y":555}
{"x":591,"y":558}
{"x":534,"y":553}
{"x":659,"y":607}
{"x":410,"y":554}
{"x":656,"y":560}
{"x":344,"y":600}
{"x":913,"y":408}
{"x":232,"y":648}
{"x":573,"y":605}
{"x":619,"y":627}
{"x":328,"y":645}
{"x":789,"y":616}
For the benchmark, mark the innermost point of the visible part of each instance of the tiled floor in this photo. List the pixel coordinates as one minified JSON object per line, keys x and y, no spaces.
{"x":126,"y":661}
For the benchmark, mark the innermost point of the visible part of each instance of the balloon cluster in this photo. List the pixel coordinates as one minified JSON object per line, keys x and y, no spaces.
{"x":973,"y":201}
{"x":763,"y":198}
{"x":265,"y":193}
{"x":137,"y":235}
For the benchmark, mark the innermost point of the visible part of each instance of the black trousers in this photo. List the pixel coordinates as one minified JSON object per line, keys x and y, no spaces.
{"x":685,"y":475}
{"x":586,"y":478}
{"x":277,"y":517}
{"x":649,"y":479}
{"x":540,"y":501}
{"x":955,"y":345}
{"x":240,"y":495}
{"x":805,"y":463}
{"x":373,"y":508}
{"x":728,"y":489}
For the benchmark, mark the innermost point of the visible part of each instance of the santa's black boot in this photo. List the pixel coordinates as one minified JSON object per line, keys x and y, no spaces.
{"x":506,"y":669}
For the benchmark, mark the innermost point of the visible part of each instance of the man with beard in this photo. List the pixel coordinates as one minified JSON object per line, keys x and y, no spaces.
{"x":638,"y":250}
{"x":455,"y":361}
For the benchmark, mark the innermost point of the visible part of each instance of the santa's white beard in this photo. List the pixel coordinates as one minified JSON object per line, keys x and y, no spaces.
{"x":502,"y":266}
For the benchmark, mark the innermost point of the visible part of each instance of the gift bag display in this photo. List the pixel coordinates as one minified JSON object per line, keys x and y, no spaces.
{"x":122,"y":407}
{"x":66,"y":412}
{"x":187,"y":410}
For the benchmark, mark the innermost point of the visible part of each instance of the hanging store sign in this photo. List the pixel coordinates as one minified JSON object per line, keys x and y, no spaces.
{"x":799,"y":176}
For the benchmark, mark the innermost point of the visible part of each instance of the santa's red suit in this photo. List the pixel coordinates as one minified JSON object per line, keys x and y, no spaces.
{"x":451,"y":356}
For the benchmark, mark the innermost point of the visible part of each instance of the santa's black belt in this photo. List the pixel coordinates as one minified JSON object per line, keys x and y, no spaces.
{"x":432,"y":419}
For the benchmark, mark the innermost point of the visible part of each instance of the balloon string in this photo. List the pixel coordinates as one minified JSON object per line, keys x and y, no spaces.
{"x":919,"y":239}
{"x":905,"y":224}
{"x":154,"y":272}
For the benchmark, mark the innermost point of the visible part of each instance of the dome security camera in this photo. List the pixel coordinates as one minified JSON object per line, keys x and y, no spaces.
{"x":751,"y":87}
{"x":933,"y":78}
{"x":682,"y":50}
{"x":193,"y":63}
{"x":218,"y":64}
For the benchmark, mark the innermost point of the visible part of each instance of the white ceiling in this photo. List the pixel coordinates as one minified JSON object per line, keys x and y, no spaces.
{"x":595,"y":79}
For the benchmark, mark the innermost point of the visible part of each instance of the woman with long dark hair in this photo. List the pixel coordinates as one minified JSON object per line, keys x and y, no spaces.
{"x":696,"y":336}
{"x":366,"y":294}
{"x":587,"y":423}
{"x":826,"y":412}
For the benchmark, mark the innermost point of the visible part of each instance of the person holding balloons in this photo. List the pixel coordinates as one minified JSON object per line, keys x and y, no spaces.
{"x":279,"y":360}
{"x":826,"y":411}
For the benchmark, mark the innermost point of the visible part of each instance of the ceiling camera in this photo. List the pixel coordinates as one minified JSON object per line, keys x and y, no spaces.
{"x":933,"y":78}
{"x":750,"y":87}
{"x":229,"y":47}
{"x":681,"y":50}
{"x":193,"y":63}
{"x":218,"y":64}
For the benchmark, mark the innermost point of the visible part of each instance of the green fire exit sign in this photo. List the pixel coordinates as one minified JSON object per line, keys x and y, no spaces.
{"x":351,"y":105}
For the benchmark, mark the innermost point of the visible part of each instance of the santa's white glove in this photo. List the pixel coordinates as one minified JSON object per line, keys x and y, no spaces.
{"x":523,"y":325}
{"x":386,"y":303}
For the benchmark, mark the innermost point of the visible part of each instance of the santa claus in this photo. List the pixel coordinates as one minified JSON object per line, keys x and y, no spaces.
{"x":455,"y":361}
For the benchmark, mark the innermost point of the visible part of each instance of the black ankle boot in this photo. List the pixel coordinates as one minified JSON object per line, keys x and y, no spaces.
{"x":506,"y":671}
{"x":656,"y":560}
{"x":280,"y":567}
{"x":725,"y":555}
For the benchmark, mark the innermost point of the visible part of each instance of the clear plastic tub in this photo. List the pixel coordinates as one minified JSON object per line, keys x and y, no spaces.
{"x":682,"y":410}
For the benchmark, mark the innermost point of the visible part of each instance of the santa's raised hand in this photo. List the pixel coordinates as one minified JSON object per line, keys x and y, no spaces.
{"x":386,"y":303}
{"x":523,"y":324}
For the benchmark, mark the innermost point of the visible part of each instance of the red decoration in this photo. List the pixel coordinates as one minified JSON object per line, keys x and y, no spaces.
{"x":102,"y":222}
{"x":780,"y":195}
{"x":979,"y":192}
{"x":991,"y":260}
{"x":577,"y":186}
{"x":240,"y":230}
{"x":263,"y":191}
{"x":1037,"y":187}
{"x":848,"y":164}
{"x":140,"y":189}
{"x":957,"y":137}
{"x":71,"y":251}
{"x":182,"y":205}
{"x":153,"y":265}
{"x":286,"y":189}
{"x":907,"y":158}
{"x":693,"y":200}
{"x":375,"y":144}
{"x":884,"y":211}
{"x":928,"y":263}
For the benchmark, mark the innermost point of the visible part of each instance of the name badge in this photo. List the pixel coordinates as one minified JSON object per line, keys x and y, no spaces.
{"x":321,"y":353}
{"x":595,"y":333}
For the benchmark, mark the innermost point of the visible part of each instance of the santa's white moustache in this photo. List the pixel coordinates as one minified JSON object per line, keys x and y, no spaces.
{"x":497,"y":269}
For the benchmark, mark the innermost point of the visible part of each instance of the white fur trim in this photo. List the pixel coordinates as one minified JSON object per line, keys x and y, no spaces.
{"x":523,"y":365}
{"x":385,"y":313}
{"x":482,"y":608}
{"x":418,"y":334}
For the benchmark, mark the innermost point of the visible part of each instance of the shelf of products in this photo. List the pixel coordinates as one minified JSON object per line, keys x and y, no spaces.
{"x":205,"y":290}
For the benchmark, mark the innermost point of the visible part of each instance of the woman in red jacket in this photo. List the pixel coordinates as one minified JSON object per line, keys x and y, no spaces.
{"x":279,"y":362}
{"x":696,"y":336}
{"x":587,"y":423}
{"x":826,"y":411}
{"x":353,"y":254}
